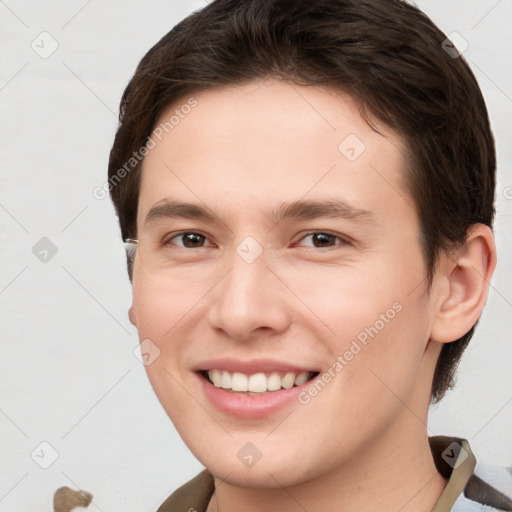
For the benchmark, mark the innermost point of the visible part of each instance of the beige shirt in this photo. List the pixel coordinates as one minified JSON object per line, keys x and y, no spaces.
{"x":454,"y":461}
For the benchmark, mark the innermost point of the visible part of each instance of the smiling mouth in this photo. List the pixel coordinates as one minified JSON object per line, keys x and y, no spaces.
{"x":256,"y":383}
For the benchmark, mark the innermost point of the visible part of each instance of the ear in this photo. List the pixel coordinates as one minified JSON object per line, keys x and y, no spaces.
{"x":132,"y":316}
{"x":463,"y":280}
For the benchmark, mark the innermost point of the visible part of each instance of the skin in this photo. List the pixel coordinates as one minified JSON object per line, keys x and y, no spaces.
{"x":361,"y":444}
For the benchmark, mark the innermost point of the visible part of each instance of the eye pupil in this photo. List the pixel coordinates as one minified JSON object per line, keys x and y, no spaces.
{"x":323,"y":239}
{"x":192,"y":239}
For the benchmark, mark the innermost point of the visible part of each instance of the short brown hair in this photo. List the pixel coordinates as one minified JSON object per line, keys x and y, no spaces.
{"x":386,"y":54}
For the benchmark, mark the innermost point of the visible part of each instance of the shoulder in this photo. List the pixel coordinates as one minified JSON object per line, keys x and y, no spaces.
{"x":489,"y":489}
{"x":471,"y":486}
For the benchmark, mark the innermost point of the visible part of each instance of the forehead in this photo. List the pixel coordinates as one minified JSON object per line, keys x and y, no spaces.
{"x":249,"y":148}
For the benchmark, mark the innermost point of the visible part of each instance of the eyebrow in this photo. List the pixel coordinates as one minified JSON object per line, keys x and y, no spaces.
{"x":304,"y":210}
{"x":172,"y":209}
{"x":309,"y":210}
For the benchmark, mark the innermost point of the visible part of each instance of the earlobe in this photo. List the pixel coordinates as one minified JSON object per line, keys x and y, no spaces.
{"x":468,"y":272}
{"x":132,"y":316}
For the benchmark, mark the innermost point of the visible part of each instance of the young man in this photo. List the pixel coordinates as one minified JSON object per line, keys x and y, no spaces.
{"x":307,"y":188}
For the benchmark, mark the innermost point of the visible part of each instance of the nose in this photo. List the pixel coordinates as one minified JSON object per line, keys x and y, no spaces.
{"x":249,"y":301}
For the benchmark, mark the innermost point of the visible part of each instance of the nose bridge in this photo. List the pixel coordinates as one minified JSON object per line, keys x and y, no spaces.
{"x":247,"y":285}
{"x":246,"y":299}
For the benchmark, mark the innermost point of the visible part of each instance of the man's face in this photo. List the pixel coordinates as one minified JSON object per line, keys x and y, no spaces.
{"x":341,"y":294}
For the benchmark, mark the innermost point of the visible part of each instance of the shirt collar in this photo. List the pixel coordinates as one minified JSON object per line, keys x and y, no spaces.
{"x":452,"y":456}
{"x":455,"y":462}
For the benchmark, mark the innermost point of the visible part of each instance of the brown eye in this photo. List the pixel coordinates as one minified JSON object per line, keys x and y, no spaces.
{"x":320,"y":239}
{"x":323,"y":239}
{"x":187,"y":239}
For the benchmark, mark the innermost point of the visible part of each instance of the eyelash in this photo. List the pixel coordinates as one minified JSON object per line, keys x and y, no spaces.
{"x":343,"y":240}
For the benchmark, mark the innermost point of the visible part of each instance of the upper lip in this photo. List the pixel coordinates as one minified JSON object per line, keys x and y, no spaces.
{"x":251,"y":366}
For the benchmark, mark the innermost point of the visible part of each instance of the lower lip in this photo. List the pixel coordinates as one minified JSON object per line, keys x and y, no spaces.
{"x":251,"y":406}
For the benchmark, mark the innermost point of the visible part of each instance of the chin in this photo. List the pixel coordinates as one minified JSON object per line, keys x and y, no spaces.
{"x":265,"y":477}
{"x":275,"y":468}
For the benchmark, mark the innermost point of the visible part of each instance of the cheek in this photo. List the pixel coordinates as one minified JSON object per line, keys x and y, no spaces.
{"x":158,"y":308}
{"x":168,"y":317}
{"x":161,"y":318}
{"x":376,"y":326}
{"x":348,"y":300}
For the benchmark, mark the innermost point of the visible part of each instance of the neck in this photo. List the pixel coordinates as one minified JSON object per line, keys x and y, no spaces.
{"x":396,"y":472}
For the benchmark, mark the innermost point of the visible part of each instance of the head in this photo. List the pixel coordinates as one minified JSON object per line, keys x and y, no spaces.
{"x":246,"y":105}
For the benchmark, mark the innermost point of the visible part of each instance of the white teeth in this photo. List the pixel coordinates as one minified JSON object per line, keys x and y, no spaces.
{"x":239,"y":382}
{"x":216,"y":378}
{"x":288,"y":381}
{"x":226,"y":380}
{"x":257,"y":382}
{"x":274,"y":382}
{"x":301,"y":378}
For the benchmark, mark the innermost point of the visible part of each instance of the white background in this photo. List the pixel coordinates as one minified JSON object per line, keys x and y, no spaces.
{"x":68,"y":373}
